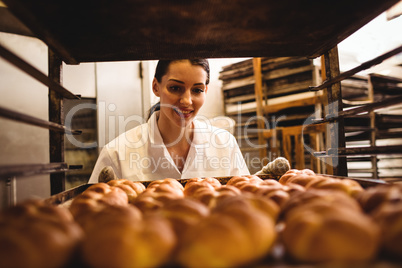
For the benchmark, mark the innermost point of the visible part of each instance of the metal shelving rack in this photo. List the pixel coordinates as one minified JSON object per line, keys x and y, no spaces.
{"x":57,"y":167}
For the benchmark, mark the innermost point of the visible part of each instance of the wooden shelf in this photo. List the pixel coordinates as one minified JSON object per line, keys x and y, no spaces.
{"x":139,"y":30}
{"x":372,"y":150}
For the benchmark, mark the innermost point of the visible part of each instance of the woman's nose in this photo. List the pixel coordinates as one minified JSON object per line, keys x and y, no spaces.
{"x":185,"y":98}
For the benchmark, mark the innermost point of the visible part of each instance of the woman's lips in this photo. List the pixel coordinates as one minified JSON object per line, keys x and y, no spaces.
{"x":183,"y":113}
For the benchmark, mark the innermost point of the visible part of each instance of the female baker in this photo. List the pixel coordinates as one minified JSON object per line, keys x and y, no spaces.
{"x":173,"y":143}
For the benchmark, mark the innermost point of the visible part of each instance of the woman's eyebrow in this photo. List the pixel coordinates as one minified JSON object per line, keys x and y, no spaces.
{"x":181,"y":82}
{"x":178,"y":81}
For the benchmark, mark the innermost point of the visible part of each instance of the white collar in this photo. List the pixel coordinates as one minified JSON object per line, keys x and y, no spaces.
{"x":155,"y":137}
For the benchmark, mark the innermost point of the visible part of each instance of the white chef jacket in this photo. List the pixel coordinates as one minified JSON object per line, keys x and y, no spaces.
{"x":140,"y":154}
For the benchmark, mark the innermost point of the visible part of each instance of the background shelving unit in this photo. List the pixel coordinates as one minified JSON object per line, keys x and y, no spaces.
{"x":286,"y":102}
{"x":287,"y":112}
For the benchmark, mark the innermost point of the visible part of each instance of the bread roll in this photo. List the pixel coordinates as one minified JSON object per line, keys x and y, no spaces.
{"x":94,"y":199}
{"x":272,"y":183}
{"x":131,"y":188}
{"x":279,"y":196}
{"x":292,"y":188}
{"x":239,"y":180}
{"x":193,"y":185}
{"x":389,"y":218}
{"x":236,"y":233}
{"x":327,"y":233}
{"x":249,"y":201}
{"x":375,"y":197}
{"x":146,"y":202}
{"x":316,"y":196}
{"x":122,"y":239}
{"x":158,"y":193}
{"x":36,"y":235}
{"x":183,"y":214}
{"x":301,"y":177}
{"x":328,"y":226}
{"x":348,"y":186}
{"x":246,"y":186}
{"x":212,"y":181}
{"x":171,"y":183}
{"x":210,"y":197}
{"x":217,"y":241}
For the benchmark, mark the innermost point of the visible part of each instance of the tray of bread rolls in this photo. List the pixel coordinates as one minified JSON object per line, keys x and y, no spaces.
{"x":299,"y":219}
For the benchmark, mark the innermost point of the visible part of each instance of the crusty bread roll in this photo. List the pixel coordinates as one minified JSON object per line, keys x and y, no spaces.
{"x":301,"y":177}
{"x":292,"y":188}
{"x":146,"y":202}
{"x":327,"y":233}
{"x":248,"y":183}
{"x":121,"y":238}
{"x":94,"y":199}
{"x":263,"y":205}
{"x":131,"y":188}
{"x":328,"y":226}
{"x":158,"y":193}
{"x":210,"y":197}
{"x":183,"y":213}
{"x":317,"y":196}
{"x":272,"y":183}
{"x":236,"y":233}
{"x":169,"y":182}
{"x":240,"y":180}
{"x":375,"y":197}
{"x":348,"y":186}
{"x":36,"y":235}
{"x":194,"y":185}
{"x":279,"y":196}
{"x":389,"y":218}
{"x":212,"y":181}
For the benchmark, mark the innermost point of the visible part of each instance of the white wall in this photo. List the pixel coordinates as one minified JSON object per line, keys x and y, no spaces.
{"x":119,"y":98}
{"x":374,"y":39}
{"x":80,"y":79}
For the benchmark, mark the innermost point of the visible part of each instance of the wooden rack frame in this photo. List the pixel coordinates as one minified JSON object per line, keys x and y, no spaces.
{"x":335,"y":114}
{"x":362,"y":110}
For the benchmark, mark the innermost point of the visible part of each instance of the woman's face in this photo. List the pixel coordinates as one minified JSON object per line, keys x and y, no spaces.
{"x":182,"y":92}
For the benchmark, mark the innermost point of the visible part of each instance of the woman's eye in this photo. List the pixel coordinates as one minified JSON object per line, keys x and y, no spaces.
{"x":198,"y":90}
{"x":174,"y":88}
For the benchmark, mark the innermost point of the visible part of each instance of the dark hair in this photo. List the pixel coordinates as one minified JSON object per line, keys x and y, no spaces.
{"x":162,"y":69}
{"x":163,"y":65}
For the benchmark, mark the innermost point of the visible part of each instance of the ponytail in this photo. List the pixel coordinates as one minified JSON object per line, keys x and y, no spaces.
{"x":154,"y":108}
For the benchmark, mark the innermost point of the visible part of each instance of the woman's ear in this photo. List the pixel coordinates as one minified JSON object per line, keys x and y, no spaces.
{"x":206,"y":89}
{"x":155,"y":87}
